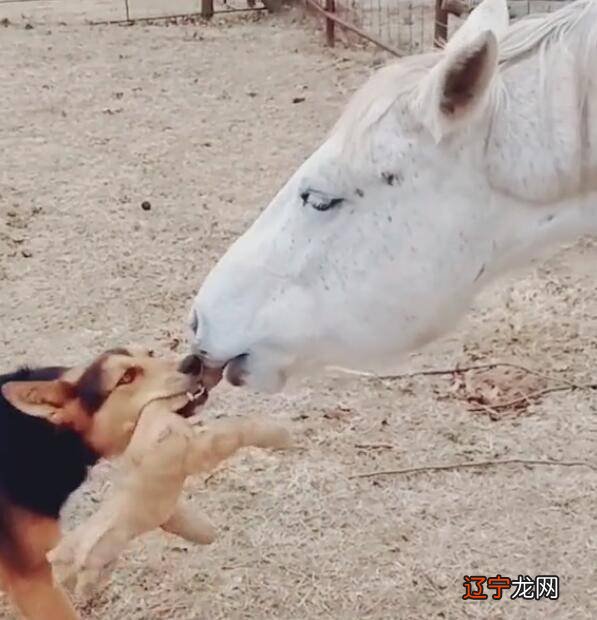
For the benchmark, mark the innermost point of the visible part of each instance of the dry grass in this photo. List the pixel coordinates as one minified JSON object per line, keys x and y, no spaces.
{"x":199,"y":121}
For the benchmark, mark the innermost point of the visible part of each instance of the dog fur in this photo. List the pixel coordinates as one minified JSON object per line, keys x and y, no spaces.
{"x":164,"y":450}
{"x":55,"y":423}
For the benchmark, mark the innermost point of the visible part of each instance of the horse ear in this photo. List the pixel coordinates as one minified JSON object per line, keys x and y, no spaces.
{"x":488,"y":15}
{"x":458,"y":85}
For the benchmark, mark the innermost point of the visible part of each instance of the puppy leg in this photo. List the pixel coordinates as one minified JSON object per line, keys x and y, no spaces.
{"x":219,"y":440}
{"x":190,"y":525}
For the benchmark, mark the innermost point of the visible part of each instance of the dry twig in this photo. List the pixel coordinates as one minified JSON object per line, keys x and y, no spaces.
{"x":374,"y":446}
{"x":493,"y":410}
{"x":455,"y":370}
{"x":454,"y":466}
{"x":534,"y":395}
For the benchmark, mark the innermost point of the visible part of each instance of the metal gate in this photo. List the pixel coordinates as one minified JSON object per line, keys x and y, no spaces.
{"x":405,"y":27}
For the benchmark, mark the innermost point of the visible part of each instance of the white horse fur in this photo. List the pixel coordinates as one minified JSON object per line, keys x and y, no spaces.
{"x":444,"y":171}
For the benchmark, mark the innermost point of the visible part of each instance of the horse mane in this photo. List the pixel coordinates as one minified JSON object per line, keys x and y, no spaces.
{"x":536,"y":33}
{"x":380,"y":93}
{"x":539,"y":32}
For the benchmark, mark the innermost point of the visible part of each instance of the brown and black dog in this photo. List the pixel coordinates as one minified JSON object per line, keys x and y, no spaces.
{"x":55,"y":423}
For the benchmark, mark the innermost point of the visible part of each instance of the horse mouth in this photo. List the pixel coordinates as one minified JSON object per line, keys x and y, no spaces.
{"x":211,"y":376}
{"x":210,"y":372}
{"x":236,"y":370}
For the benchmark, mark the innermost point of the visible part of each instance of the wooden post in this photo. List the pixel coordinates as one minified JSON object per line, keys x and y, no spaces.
{"x":207,"y":9}
{"x":126,"y":8}
{"x":330,"y":25}
{"x":440,"y":34}
{"x":455,"y":7}
{"x":273,"y":6}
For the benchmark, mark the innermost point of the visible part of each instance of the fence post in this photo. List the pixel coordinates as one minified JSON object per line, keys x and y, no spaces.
{"x":330,"y":26}
{"x":207,"y":9}
{"x":273,"y":6}
{"x":440,"y":34}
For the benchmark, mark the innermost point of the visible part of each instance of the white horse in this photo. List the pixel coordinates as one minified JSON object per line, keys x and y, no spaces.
{"x":444,"y":171}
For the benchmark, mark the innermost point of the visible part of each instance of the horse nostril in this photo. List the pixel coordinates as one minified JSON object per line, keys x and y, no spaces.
{"x":191,"y":365}
{"x":194,"y":323}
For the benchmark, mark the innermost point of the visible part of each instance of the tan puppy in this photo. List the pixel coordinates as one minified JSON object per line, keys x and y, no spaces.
{"x":55,"y":423}
{"x":164,"y":450}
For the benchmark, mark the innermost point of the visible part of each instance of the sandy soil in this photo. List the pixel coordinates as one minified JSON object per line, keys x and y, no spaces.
{"x":200,"y":122}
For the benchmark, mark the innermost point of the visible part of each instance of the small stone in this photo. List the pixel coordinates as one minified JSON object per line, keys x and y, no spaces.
{"x":146,"y":205}
{"x":298,"y":99}
{"x":26,"y":254}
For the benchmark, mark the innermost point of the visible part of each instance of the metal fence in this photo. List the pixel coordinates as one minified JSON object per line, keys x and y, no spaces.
{"x":405,"y":27}
{"x":196,"y":8}
{"x":398,"y":26}
{"x":116,"y":11}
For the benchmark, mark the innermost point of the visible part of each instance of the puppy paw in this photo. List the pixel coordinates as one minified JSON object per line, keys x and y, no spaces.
{"x":190,"y":525}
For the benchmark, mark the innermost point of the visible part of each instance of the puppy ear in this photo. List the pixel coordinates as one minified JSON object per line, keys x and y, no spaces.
{"x":42,"y":399}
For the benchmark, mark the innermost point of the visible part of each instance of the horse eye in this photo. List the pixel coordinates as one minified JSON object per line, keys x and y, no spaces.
{"x":128,"y":377}
{"x":319,"y":201}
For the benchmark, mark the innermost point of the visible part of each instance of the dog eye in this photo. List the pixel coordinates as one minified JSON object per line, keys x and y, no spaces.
{"x":320,"y":201}
{"x":128,"y":377}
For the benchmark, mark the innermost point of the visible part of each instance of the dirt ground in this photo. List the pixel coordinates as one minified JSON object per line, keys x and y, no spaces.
{"x":200,"y":122}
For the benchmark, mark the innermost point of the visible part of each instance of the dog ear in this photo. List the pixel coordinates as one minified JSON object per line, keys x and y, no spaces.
{"x":42,"y":399}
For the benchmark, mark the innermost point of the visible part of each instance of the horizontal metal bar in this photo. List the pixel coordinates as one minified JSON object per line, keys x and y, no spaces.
{"x":132,"y":20}
{"x":357,"y":31}
{"x":24,"y":1}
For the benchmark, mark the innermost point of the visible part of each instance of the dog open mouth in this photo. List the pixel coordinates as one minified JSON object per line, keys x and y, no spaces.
{"x":194,"y":399}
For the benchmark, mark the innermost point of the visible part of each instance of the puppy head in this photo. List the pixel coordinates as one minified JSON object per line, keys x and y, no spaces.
{"x":103,"y":401}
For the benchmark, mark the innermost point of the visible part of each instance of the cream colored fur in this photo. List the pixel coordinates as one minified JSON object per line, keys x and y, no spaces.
{"x":164,"y":450}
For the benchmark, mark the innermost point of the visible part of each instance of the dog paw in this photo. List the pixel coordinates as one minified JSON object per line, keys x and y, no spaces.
{"x":90,"y":581}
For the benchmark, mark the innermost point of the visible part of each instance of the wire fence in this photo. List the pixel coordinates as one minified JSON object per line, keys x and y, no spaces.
{"x":398,"y":26}
{"x":117,"y":11}
{"x":405,"y":27}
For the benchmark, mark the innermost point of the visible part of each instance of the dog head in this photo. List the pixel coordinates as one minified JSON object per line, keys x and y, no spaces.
{"x":103,"y":401}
